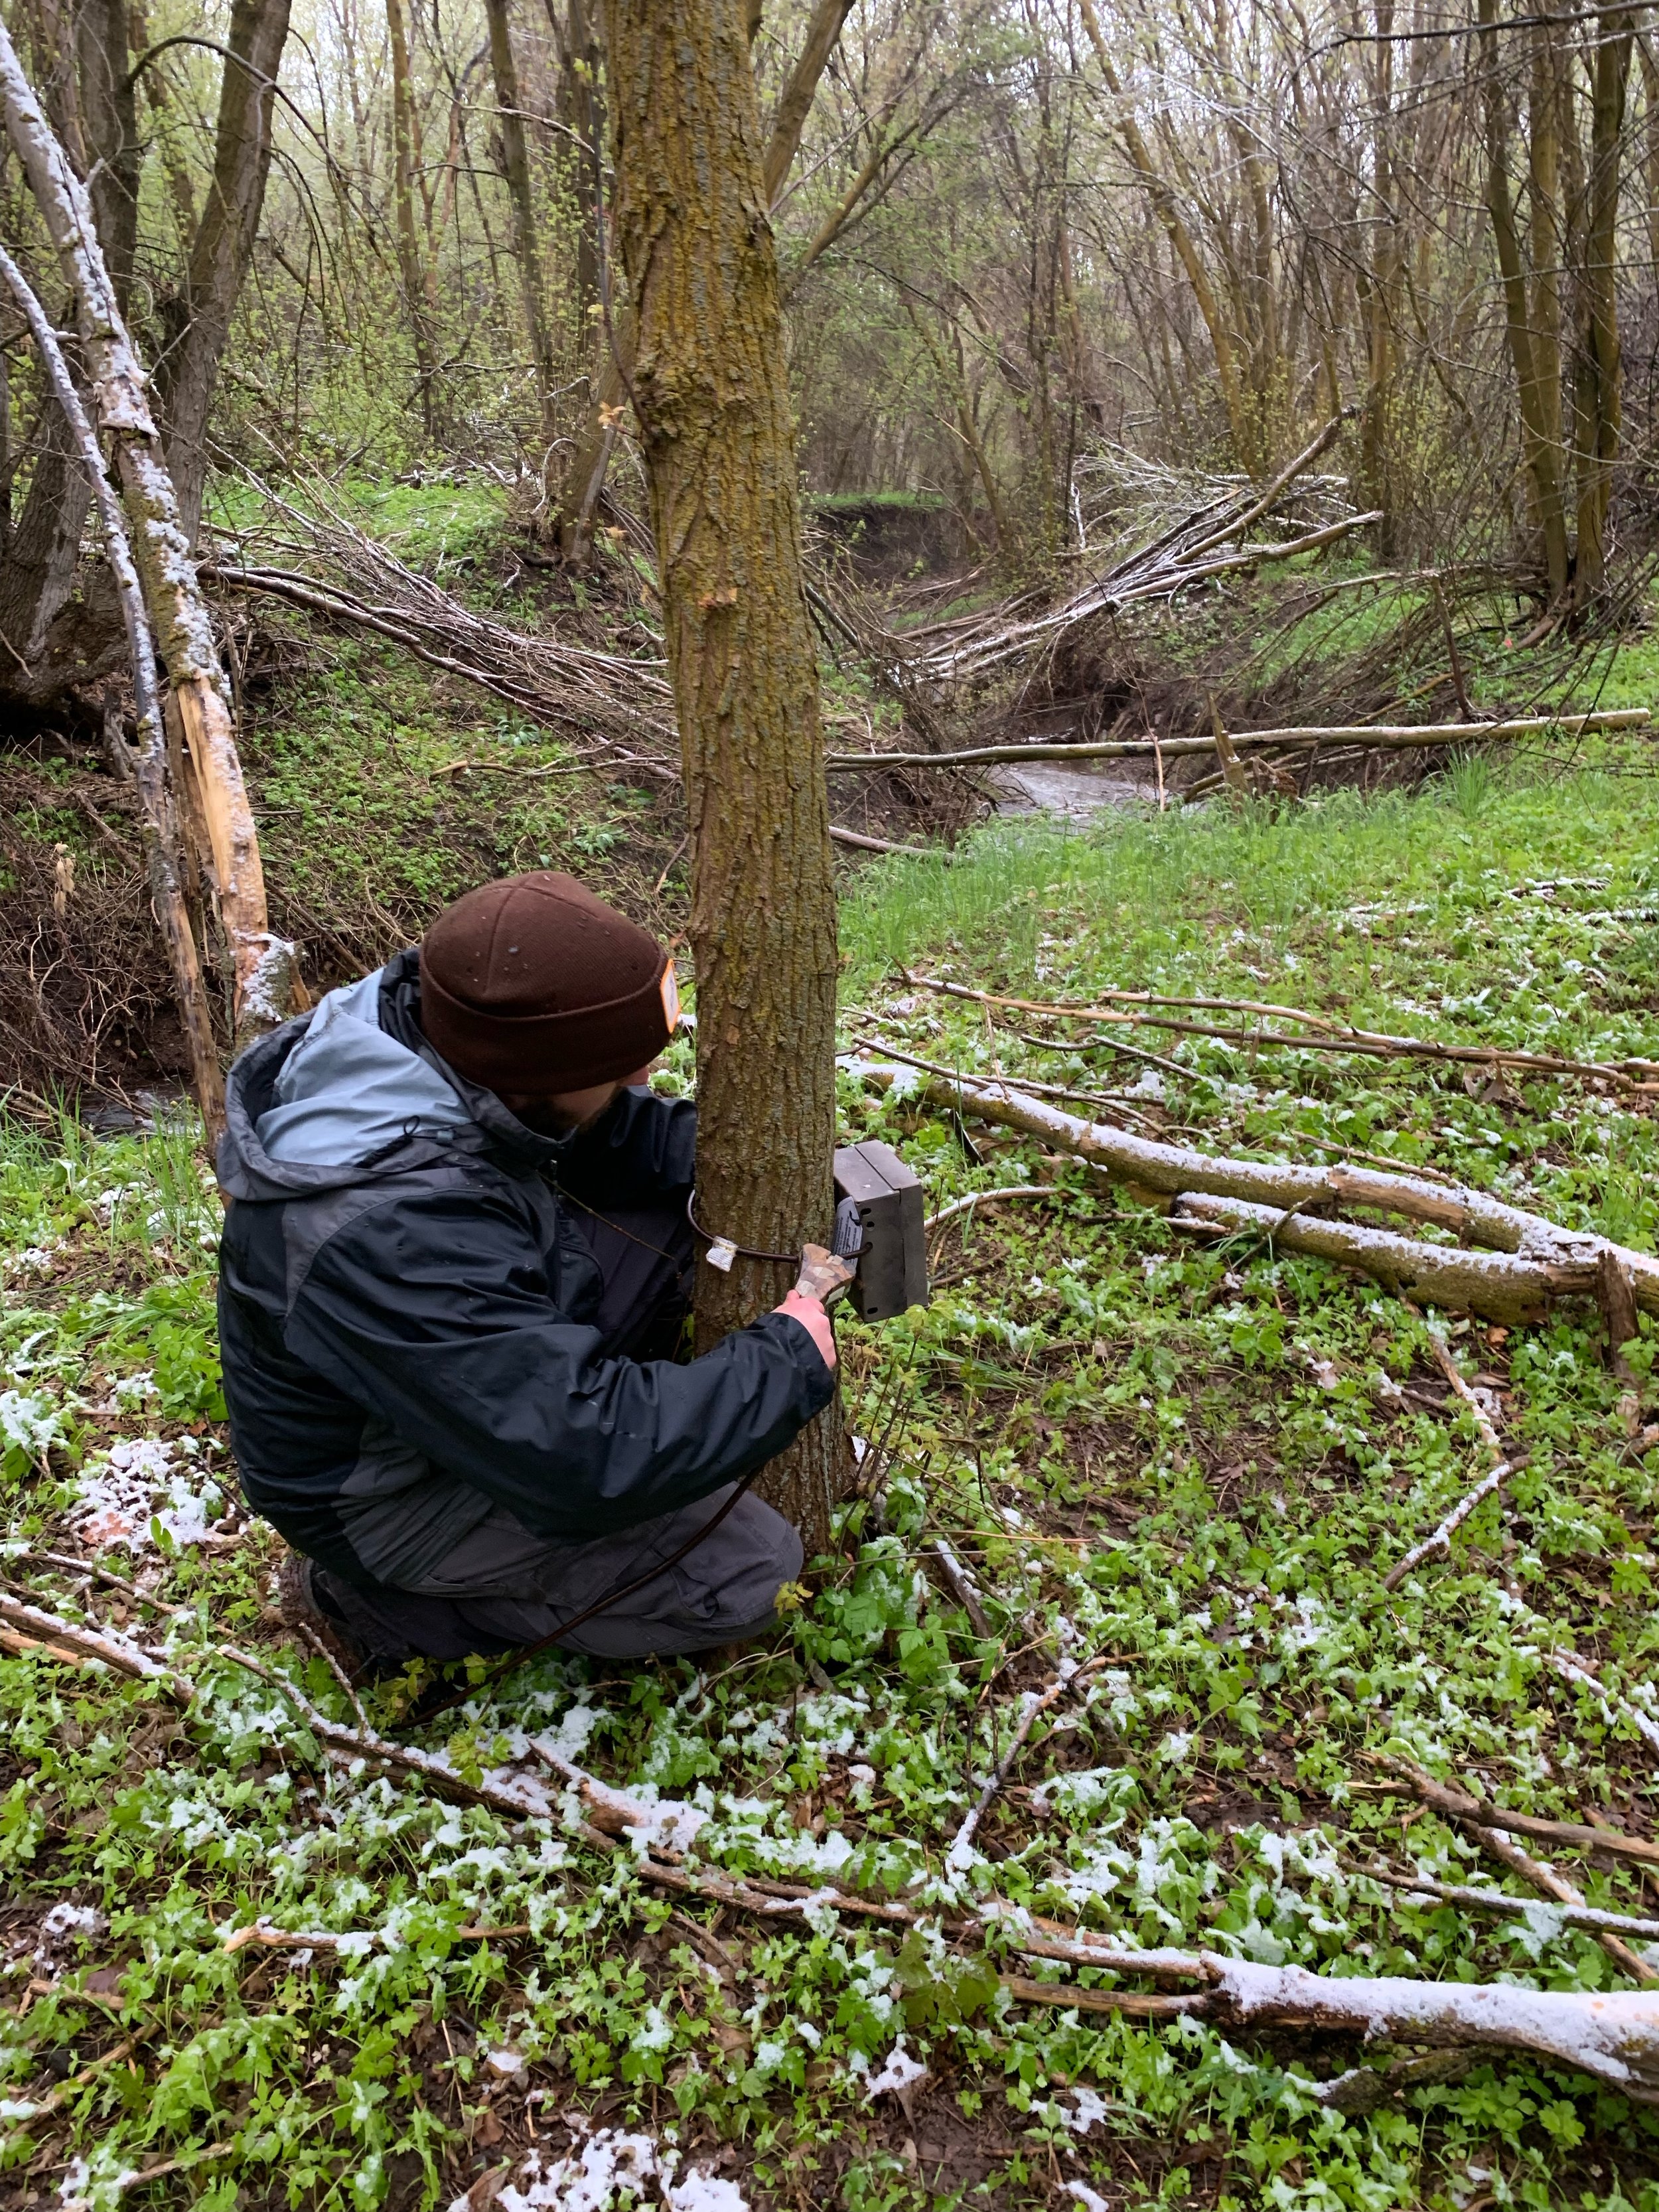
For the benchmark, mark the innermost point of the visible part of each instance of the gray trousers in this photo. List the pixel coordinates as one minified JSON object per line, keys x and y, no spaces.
{"x":503,"y":1586}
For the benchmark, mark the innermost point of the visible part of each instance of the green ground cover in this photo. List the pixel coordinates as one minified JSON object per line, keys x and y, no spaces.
{"x":1194,"y":1464}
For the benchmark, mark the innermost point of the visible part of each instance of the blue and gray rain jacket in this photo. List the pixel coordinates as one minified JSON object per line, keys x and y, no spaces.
{"x":406,"y":1307}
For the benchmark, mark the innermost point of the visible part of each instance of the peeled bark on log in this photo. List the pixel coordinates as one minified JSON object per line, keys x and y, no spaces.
{"x":261,"y":965}
{"x":158,"y":818}
{"x":1493,"y":1285}
{"x":1524,"y":1262}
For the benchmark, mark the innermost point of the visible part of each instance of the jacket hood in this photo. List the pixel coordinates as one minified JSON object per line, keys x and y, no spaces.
{"x":352,"y":1091}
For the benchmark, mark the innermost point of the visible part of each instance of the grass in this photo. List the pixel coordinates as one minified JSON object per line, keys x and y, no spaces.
{"x":1197,"y":1460}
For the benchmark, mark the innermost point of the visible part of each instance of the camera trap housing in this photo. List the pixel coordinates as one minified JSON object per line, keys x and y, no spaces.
{"x":879,"y":1226}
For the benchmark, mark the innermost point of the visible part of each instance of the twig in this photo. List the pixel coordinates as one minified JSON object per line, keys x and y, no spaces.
{"x":1026,"y":1083}
{"x":1454,"y":1375}
{"x":1461,"y":1805}
{"x":38,"y":2108}
{"x":961,"y":1587}
{"x":1573,"y":1914}
{"x":1552,"y":1885}
{"x":338,"y":1671}
{"x":115,"y":1581}
{"x":989,"y":1197}
{"x":1573,"y":1669}
{"x":960,"y":1856}
{"x":1439,"y":1543}
{"x":1329,"y":1036}
{"x":261,"y":1932}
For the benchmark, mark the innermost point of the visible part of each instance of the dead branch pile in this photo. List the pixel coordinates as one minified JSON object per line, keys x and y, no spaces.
{"x":1205,"y":540}
{"x":617,"y":710}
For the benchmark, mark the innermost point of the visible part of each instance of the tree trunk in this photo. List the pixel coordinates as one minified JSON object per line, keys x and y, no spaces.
{"x":1610,"y":77}
{"x":1168,"y":214}
{"x":515,"y":167}
{"x":260,"y":970}
{"x":158,"y":817}
{"x":198,"y":321}
{"x":1542,"y":455}
{"x":712,"y":393}
{"x":109,"y":116}
{"x":417,"y":304}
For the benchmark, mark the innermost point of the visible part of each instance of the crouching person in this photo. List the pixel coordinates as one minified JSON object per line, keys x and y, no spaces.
{"x":456,"y":1263}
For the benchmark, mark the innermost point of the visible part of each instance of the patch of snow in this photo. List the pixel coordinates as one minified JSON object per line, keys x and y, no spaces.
{"x":1089,"y":2109}
{"x":1089,"y":2199}
{"x":596,"y":2173}
{"x":899,"y":2073}
{"x":137,"y":1483}
{"x":63,"y":1925}
{"x":28,"y":1424}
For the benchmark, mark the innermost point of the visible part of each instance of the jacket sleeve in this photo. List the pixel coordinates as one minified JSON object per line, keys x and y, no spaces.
{"x":435,"y":1313}
{"x":644,"y":1147}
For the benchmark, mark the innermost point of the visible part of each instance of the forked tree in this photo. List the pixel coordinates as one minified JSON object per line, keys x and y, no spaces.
{"x":710,"y":389}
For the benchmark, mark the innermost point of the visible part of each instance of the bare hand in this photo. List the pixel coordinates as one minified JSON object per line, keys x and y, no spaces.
{"x":813,"y":1319}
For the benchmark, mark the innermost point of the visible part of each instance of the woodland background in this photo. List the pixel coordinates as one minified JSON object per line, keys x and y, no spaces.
{"x":1247,"y":415}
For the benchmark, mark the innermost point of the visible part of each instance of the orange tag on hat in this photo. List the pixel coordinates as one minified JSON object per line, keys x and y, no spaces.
{"x":670,"y":998}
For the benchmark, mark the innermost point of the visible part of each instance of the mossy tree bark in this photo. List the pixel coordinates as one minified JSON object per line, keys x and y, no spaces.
{"x":711,"y":391}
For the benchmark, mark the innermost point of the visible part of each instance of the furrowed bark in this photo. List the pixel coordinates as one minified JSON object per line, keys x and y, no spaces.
{"x":711,"y":391}
{"x":259,"y":963}
{"x":158,"y":818}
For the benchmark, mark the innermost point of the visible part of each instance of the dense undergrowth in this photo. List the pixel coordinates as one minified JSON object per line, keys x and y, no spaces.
{"x":1194,"y":1463}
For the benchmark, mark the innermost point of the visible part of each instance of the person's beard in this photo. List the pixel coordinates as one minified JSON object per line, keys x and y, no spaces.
{"x":545,"y":1120}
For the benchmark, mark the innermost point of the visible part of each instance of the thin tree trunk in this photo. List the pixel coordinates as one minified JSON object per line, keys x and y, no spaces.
{"x":1610,"y":81}
{"x":584,"y":483}
{"x":1168,"y":214}
{"x":410,"y":264}
{"x":260,"y":964}
{"x":109,"y":117}
{"x":1542,"y":457}
{"x":711,"y":390}
{"x":198,"y":322}
{"x":795,"y":102}
{"x":515,"y":167}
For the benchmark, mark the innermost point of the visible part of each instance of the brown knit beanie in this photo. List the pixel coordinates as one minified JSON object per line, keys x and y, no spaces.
{"x":532,"y":984}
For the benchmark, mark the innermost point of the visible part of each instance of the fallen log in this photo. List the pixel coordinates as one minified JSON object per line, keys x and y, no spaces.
{"x":1386,"y":738}
{"x":1498,"y":1285}
{"x":1525,"y":1261}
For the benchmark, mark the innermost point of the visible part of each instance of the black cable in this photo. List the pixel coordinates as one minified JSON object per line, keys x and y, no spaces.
{"x":743,"y":1251}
